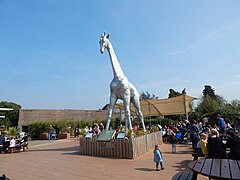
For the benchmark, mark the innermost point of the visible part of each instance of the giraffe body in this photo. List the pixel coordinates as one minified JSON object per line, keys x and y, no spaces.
{"x":120,"y":87}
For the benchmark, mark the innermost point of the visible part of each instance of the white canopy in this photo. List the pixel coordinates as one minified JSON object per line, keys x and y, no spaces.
{"x":6,"y":109}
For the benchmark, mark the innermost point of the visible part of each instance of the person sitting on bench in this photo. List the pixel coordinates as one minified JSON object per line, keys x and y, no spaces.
{"x":12,"y":142}
{"x":1,"y":143}
{"x":24,"y":141}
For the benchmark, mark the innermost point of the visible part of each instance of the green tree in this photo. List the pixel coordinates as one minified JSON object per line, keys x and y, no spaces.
{"x":173,"y":93}
{"x":209,"y":91}
{"x":147,"y":95}
{"x":231,"y":110}
{"x":212,"y":104}
{"x":207,"y":105}
{"x":11,"y":117}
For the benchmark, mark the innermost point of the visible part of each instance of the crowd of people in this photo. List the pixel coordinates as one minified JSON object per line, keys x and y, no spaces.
{"x":95,"y":129}
{"x":7,"y":142}
{"x":220,"y":140}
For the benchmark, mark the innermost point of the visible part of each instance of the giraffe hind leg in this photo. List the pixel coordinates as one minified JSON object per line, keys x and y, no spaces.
{"x":136,"y":104}
{"x":126,"y":102}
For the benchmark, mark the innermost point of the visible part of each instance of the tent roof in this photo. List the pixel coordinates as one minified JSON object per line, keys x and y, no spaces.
{"x":163,"y":107}
{"x":6,"y":109}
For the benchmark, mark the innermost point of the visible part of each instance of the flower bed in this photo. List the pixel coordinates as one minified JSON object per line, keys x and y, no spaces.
{"x":64,"y":136}
{"x":120,"y":148}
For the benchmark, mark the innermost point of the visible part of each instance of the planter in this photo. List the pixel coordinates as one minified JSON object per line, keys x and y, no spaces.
{"x":44,"y":136}
{"x":64,"y":136}
{"x":120,"y":148}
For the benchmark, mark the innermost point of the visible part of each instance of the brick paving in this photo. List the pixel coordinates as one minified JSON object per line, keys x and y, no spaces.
{"x":60,"y":160}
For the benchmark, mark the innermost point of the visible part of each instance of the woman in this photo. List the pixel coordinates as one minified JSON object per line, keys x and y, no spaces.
{"x":215,"y":145}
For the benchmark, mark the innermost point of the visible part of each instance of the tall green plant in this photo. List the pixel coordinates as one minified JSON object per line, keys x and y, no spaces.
{"x":37,"y":128}
{"x":130,"y":133}
{"x":12,"y":131}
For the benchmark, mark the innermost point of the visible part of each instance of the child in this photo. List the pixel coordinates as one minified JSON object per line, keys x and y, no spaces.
{"x":203,"y":144}
{"x":158,"y":158}
{"x":174,"y":143}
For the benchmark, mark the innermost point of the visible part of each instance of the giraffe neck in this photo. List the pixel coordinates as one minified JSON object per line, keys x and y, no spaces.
{"x":117,"y":70}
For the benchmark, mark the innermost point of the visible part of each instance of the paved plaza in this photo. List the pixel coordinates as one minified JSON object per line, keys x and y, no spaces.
{"x":60,"y":160}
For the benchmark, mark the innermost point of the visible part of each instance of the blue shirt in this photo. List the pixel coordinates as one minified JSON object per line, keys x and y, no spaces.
{"x":157,"y":156}
{"x":221,"y":124}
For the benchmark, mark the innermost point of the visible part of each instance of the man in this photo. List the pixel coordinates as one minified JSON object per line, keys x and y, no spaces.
{"x":221,"y":124}
{"x":233,"y":142}
{"x":194,"y":133}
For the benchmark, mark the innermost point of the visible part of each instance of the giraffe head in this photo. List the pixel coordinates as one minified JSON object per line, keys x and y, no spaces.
{"x":104,"y":41}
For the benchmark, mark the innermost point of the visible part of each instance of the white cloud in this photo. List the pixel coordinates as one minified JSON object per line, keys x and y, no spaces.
{"x":161,"y":87}
{"x":180,"y":51}
{"x":229,"y":90}
{"x":208,"y":37}
{"x":236,"y":76}
{"x":213,"y":35}
{"x":57,"y":76}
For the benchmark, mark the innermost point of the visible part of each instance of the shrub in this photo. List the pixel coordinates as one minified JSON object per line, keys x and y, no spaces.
{"x":12,"y":131}
{"x":130,"y":133}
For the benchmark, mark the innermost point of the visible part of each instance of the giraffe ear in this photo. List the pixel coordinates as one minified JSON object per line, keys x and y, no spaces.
{"x":108,"y":36}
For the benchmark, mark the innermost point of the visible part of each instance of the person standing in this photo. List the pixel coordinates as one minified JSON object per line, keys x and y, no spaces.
{"x":158,"y":159}
{"x":174,"y":141}
{"x":194,"y":133}
{"x":233,"y":142}
{"x":203,"y":143}
{"x":101,"y":127}
{"x":221,"y":124}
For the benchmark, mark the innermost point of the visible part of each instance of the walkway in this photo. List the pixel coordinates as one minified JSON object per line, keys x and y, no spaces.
{"x":60,"y":160}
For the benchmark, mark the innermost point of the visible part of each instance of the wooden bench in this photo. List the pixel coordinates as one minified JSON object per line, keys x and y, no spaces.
{"x":217,"y":168}
{"x":19,"y":147}
{"x":184,"y":175}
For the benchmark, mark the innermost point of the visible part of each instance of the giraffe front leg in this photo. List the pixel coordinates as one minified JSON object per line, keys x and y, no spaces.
{"x":112,"y":103}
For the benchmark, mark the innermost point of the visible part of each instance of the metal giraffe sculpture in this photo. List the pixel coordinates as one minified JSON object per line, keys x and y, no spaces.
{"x":120,"y":87}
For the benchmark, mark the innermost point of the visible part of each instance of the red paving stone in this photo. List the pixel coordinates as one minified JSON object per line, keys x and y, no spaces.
{"x":60,"y":160}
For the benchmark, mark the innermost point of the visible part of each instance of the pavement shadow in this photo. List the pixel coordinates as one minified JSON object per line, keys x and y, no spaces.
{"x":145,"y":169}
{"x":188,"y":149}
{"x":182,"y":165}
{"x":74,"y":150}
{"x":180,"y":152}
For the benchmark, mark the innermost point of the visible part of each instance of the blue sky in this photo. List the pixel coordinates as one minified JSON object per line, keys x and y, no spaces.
{"x":50,"y":58}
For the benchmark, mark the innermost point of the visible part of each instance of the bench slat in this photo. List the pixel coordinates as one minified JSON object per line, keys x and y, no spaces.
{"x":184,"y":175}
{"x":225,"y":171}
{"x":192,"y":164}
{"x":190,"y":176}
{"x":207,"y":167}
{"x":234,"y":165}
{"x":199,"y":165}
{"x":216,"y":168}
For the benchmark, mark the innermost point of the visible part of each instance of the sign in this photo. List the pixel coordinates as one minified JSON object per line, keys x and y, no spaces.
{"x":89,"y":135}
{"x":121,"y":135}
{"x":106,"y":135}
